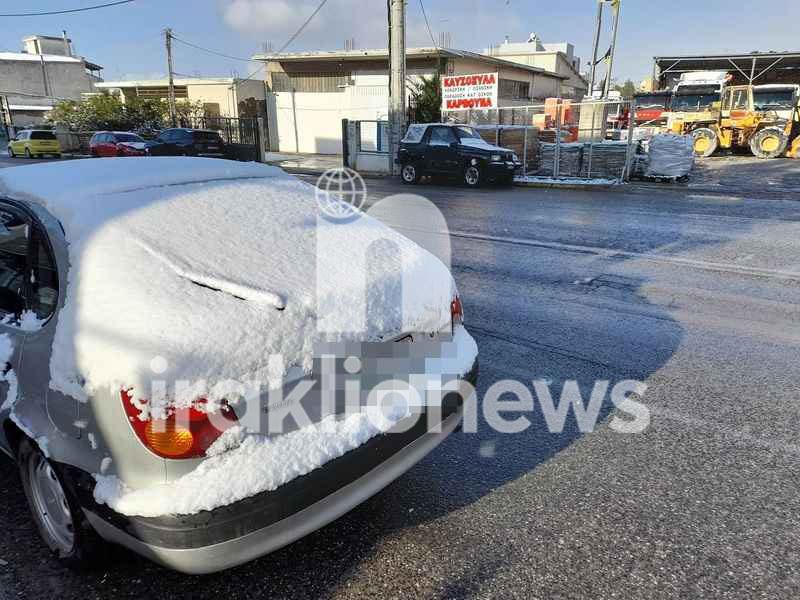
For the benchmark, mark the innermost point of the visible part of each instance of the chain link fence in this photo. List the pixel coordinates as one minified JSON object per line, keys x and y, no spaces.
{"x":561,"y":139}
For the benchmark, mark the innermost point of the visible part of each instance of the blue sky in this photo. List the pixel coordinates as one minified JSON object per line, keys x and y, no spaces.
{"x":128,"y":42}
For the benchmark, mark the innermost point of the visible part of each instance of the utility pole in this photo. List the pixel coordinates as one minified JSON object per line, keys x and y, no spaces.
{"x":173,"y":112}
{"x":397,"y":77}
{"x":596,"y":44}
{"x":615,"y":6}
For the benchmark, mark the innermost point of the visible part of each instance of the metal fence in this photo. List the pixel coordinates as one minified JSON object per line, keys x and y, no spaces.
{"x":561,"y":139}
{"x":242,"y":136}
{"x":372,"y":136}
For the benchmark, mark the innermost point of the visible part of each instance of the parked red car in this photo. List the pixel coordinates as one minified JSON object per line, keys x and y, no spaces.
{"x":117,"y":143}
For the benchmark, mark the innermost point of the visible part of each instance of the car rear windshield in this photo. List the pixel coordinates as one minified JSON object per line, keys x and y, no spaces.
{"x":127,"y":137}
{"x":467,"y":133}
{"x":42,"y":135}
{"x":206,"y":136}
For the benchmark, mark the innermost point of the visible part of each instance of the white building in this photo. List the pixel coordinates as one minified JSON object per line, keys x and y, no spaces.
{"x":221,"y":96}
{"x":309,"y":93}
{"x":559,"y":58}
{"x":34,"y":80}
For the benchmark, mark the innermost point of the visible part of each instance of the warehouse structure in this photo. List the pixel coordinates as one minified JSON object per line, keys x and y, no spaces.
{"x":754,"y":68}
{"x":220,"y":96}
{"x":309,"y":93}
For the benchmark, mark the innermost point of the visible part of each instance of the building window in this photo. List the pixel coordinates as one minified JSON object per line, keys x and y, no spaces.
{"x":516,"y":90}
{"x":311,"y":82}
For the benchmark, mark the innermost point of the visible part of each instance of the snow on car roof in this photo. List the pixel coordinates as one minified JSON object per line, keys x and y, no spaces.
{"x":209,"y":267}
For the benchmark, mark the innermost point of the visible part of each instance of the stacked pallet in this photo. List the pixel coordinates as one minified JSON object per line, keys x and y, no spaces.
{"x":570,"y":157}
{"x":526,"y":149}
{"x":607,"y":160}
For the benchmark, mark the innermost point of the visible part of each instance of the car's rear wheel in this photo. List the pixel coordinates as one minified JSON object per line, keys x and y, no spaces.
{"x":56,"y":511}
{"x":410,"y":174}
{"x":472,"y":176}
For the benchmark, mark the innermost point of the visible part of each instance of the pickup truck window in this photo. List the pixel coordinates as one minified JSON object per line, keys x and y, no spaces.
{"x":414,"y":134}
{"x":441,"y":136}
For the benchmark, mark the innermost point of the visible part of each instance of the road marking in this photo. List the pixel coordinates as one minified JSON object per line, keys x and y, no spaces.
{"x":611,"y":253}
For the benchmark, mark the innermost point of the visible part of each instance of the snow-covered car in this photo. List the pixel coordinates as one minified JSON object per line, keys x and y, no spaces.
{"x":456,"y":151}
{"x":179,"y":372}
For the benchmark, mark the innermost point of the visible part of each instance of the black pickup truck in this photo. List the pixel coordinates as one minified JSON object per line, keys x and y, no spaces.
{"x":456,"y":151}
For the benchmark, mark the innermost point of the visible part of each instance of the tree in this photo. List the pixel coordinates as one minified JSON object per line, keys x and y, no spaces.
{"x":426,"y":100}
{"x":108,"y":111}
{"x":628,"y":89}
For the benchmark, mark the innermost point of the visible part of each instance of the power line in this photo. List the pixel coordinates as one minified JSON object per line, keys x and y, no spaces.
{"x":302,"y":27}
{"x":63,"y":12}
{"x":215,"y":52}
{"x":291,"y":39}
{"x":428,"y":25}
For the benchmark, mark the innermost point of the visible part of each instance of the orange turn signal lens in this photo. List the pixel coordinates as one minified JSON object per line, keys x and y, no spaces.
{"x":166,"y":439}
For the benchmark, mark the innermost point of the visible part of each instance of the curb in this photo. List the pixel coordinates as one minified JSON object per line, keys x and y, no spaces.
{"x":570,"y":186}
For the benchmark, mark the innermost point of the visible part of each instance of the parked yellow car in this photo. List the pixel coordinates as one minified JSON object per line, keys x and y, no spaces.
{"x":32,"y":143}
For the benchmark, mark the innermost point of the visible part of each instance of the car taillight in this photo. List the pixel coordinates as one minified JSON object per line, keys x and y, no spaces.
{"x":186,"y":433}
{"x":456,"y":311}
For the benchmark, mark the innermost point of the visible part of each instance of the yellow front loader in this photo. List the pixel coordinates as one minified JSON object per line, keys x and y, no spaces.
{"x":766,"y":121}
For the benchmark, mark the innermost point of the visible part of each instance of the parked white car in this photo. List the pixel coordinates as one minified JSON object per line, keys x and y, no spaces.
{"x":165,"y":369}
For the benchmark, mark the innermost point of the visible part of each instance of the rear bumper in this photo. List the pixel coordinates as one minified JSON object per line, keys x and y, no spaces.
{"x":231,"y":535}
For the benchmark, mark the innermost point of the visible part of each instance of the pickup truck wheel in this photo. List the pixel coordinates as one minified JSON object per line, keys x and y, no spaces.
{"x":56,"y":511}
{"x":769,"y":143}
{"x":410,"y":174}
{"x":472,"y":176}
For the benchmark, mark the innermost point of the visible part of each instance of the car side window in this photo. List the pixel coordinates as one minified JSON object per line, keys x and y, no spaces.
{"x":44,"y":276}
{"x":14,"y":232}
{"x":164,"y":136}
{"x":441,"y":136}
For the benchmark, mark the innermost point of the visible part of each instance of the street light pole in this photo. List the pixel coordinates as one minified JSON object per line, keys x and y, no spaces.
{"x":615,"y":5}
{"x":397,"y":77}
{"x":598,"y":27}
{"x":173,"y":112}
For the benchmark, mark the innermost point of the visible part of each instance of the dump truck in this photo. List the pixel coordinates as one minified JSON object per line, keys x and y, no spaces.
{"x":764,"y":118}
{"x":695,"y":101}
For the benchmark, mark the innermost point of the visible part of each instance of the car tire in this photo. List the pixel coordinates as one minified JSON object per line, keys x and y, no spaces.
{"x":56,"y":511}
{"x":410,"y":174}
{"x":473,"y":176}
{"x":28,"y":153}
{"x":770,"y":142}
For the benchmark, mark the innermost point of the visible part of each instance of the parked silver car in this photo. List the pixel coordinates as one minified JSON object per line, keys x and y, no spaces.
{"x":182,"y":339}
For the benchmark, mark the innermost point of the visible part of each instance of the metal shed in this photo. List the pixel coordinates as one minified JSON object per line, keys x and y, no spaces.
{"x":753,"y":68}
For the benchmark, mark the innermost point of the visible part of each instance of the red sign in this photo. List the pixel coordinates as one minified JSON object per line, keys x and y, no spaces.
{"x":469,"y":91}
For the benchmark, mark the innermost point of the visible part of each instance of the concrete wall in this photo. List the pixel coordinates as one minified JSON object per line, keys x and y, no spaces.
{"x":555,"y":62}
{"x":65,"y":80}
{"x":311,"y":123}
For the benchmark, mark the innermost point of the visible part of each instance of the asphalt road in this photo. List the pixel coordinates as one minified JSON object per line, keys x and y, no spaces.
{"x":696,"y":294}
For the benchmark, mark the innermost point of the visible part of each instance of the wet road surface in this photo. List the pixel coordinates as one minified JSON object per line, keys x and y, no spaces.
{"x":697,"y":294}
